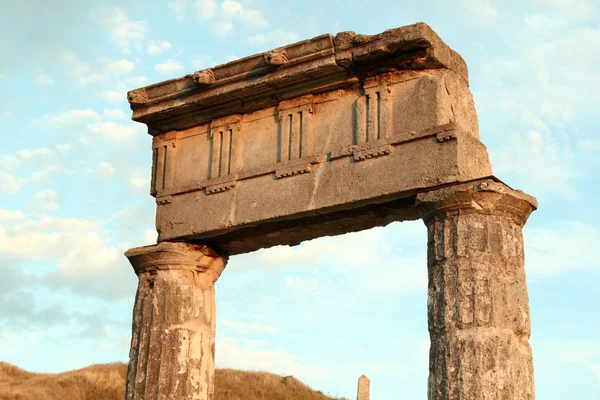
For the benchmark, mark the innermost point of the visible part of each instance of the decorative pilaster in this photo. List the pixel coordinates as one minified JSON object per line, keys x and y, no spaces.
{"x":172,"y":345}
{"x":478,"y":308}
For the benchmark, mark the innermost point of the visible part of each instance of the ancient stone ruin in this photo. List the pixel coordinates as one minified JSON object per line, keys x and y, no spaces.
{"x":322,"y":137}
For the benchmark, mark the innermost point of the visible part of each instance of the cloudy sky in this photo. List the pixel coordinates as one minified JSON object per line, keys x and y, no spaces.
{"x":74,"y":183}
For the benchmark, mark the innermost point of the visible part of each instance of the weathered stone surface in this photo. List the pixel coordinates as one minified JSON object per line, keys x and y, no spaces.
{"x":478,"y":308}
{"x":172,"y":345}
{"x":364,"y":388}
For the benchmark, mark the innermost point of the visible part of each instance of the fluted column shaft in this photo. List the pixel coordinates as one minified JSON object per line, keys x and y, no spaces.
{"x":478,"y":307}
{"x":172,"y":346}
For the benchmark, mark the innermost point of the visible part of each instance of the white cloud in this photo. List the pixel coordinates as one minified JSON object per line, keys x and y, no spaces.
{"x":150,"y":236}
{"x":260,"y":355}
{"x":42,"y":202}
{"x":398,"y":269}
{"x":9,"y":183}
{"x":583,"y":352}
{"x":64,"y":148}
{"x":94,"y":255}
{"x":542,"y":162}
{"x":23,"y":157}
{"x":484,"y":9}
{"x":206,"y":9}
{"x":113,"y":114}
{"x":231,"y":8}
{"x":327,"y":248}
{"x":115,"y":96}
{"x":169,"y":67}
{"x":43,"y":79}
{"x":226,"y":15}
{"x":81,"y":71}
{"x":291,"y":281}
{"x":569,"y":245}
{"x":136,"y":222}
{"x":103,"y":170}
{"x":137,"y":81}
{"x":121,"y":67}
{"x":222,"y":28}
{"x":67,"y":119}
{"x":481,"y":8}
{"x":28,"y":155}
{"x":112,"y":131}
{"x":273,"y":39}
{"x":202,"y":61}
{"x":243,"y":328}
{"x":533,"y":88}
{"x":11,"y":215}
{"x":157,"y":47}
{"x":44,"y":175}
{"x":45,"y":161}
{"x":589,"y":145}
{"x":179,"y":8}
{"x":124,"y":33}
{"x":36,"y":239}
{"x":86,"y":260}
{"x":251,"y":19}
{"x":91,"y":124}
{"x":84,"y":74}
{"x":138,"y":182}
{"x":574,"y":9}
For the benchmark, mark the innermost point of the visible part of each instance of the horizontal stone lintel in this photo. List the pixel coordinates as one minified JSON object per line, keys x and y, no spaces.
{"x":312,"y":66}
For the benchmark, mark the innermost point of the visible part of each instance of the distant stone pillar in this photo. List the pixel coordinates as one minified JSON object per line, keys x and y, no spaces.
{"x":172,"y":352}
{"x":478,"y":308}
{"x":364,"y":388}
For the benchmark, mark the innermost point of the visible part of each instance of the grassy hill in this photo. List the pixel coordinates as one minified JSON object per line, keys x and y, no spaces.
{"x":107,"y":382}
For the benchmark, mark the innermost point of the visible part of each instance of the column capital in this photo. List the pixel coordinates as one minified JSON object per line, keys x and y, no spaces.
{"x":177,"y":256}
{"x":484,"y":196}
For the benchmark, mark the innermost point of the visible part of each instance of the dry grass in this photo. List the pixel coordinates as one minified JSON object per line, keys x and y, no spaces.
{"x":96,"y":382}
{"x":107,"y":382}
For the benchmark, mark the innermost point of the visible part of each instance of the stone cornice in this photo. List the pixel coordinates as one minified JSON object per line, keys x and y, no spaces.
{"x":311,"y":66}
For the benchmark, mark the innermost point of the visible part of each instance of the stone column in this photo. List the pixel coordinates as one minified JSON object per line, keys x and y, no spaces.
{"x":172,"y":352}
{"x":364,"y":388}
{"x":478,"y":308}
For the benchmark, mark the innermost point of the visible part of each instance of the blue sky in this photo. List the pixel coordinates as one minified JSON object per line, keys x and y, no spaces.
{"x":74,"y":183}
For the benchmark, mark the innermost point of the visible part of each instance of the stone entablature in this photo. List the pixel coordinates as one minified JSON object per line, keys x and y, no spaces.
{"x":345,"y":119}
